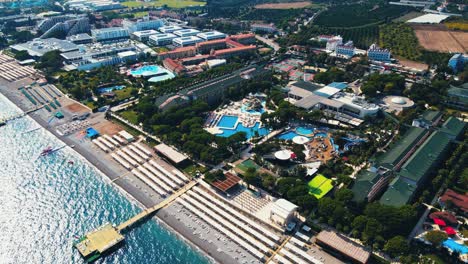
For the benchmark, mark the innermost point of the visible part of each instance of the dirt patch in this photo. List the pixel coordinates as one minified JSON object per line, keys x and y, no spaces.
{"x":439,"y":38}
{"x":76,"y":108}
{"x":413,"y":64}
{"x":293,"y":5}
{"x":108,"y":128}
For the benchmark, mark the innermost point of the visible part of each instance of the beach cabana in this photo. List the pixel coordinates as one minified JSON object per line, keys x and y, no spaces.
{"x":450,"y":231}
{"x":439,"y":222}
{"x":91,"y":132}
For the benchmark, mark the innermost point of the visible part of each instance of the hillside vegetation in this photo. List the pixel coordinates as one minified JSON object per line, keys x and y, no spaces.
{"x":359,"y":15}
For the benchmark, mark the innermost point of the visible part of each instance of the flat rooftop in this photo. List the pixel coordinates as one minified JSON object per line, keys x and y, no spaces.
{"x":170,"y":153}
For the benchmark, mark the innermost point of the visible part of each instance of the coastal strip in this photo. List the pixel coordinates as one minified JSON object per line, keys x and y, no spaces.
{"x":125,"y":188}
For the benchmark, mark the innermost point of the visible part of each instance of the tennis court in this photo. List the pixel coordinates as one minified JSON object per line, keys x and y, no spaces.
{"x":320,"y":186}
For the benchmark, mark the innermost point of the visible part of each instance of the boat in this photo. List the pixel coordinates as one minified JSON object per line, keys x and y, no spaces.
{"x":46,"y":151}
{"x":2,"y":123}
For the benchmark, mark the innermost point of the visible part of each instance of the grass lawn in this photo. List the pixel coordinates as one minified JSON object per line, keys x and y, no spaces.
{"x":140,"y":14}
{"x":168,"y":3}
{"x":160,"y":49}
{"x":243,"y":166}
{"x":130,"y":115}
{"x":123,"y":94}
{"x":320,"y":186}
{"x":193,"y":168}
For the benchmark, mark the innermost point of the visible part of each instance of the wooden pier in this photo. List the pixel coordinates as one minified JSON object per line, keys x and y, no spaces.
{"x":99,"y":241}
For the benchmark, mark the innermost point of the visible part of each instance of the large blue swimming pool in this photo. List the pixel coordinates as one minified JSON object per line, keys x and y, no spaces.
{"x":288,"y":135}
{"x":304,"y":131}
{"x":227,"y":122}
{"x":451,"y":244}
{"x":250,"y":131}
{"x":147,"y":70}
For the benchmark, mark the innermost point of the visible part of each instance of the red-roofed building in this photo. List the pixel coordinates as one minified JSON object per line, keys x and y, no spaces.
{"x":458,"y":200}
{"x":178,"y":53}
{"x":226,"y":184}
{"x":245,"y":39}
{"x":174,"y":66}
{"x":233,"y":44}
{"x":206,"y":46}
{"x":446,"y":216}
{"x":232,"y":52}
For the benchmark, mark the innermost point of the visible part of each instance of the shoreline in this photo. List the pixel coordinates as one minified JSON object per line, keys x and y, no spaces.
{"x":109,"y":176}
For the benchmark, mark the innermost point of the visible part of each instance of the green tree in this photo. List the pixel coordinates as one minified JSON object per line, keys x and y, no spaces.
{"x":436,"y":237}
{"x":396,"y":246}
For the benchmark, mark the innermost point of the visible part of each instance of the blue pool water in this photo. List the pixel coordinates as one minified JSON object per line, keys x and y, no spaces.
{"x":460,"y":248}
{"x":45,"y":203}
{"x":110,"y":89}
{"x":261,"y":111}
{"x":167,"y":75}
{"x":227,"y":122}
{"x":288,"y":135}
{"x":250,"y":131}
{"x":147,"y":70}
{"x":304,"y":130}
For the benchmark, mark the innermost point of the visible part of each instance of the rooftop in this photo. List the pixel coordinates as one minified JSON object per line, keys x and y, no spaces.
{"x":398,"y":193}
{"x":344,"y":245}
{"x":425,"y":157}
{"x":431,"y":116}
{"x":39,"y":47}
{"x":365,"y":180}
{"x":459,"y":200}
{"x":453,"y":127}
{"x":226,"y":184}
{"x":170,"y":153}
{"x":311,"y":87}
{"x":397,"y":151}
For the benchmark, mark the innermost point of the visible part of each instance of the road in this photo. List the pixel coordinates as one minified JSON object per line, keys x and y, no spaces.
{"x":421,"y":220}
{"x":269,"y":42}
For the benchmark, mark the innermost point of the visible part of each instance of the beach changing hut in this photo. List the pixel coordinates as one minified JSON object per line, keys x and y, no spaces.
{"x":91,"y":133}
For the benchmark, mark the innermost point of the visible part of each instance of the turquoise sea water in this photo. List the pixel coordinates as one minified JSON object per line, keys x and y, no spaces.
{"x":45,"y":203}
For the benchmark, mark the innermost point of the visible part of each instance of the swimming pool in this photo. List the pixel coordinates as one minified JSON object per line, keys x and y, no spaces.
{"x":451,"y":244}
{"x":227,"y":122}
{"x":304,"y":131}
{"x":145,"y":71}
{"x":167,"y":75}
{"x":253,"y":112}
{"x":249,"y":131}
{"x":110,"y":89}
{"x":288,"y":135}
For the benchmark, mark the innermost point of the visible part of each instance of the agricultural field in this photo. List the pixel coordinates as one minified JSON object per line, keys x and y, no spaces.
{"x":292,"y":5}
{"x":168,"y":3}
{"x":359,"y":15}
{"x":436,"y":38}
{"x":401,"y":40}
{"x":457,"y":24}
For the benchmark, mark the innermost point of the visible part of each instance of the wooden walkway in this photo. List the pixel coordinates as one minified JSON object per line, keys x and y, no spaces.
{"x":147,"y":212}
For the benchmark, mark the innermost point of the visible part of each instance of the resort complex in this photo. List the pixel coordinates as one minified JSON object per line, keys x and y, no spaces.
{"x":195,"y":131}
